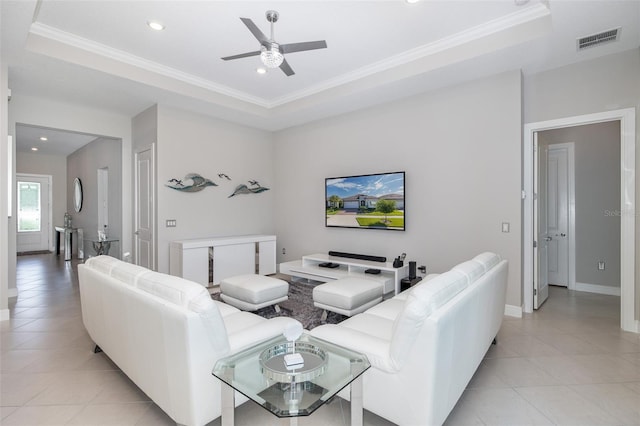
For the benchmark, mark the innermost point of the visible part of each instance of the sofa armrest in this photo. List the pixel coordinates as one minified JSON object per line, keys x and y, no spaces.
{"x":257,"y":333}
{"x":375,"y":348}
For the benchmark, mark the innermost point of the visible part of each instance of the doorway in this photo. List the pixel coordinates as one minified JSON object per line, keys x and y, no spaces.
{"x":34,"y":230}
{"x":144,"y":208}
{"x":560,"y":214}
{"x":554,"y":214}
{"x":626,"y":211}
{"x":103,"y":200}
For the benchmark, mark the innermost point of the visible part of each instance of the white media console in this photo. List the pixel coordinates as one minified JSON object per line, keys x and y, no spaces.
{"x":210,"y":260}
{"x":309,"y":267}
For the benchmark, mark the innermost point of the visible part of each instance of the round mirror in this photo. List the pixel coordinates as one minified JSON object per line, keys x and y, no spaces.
{"x":77,"y":194}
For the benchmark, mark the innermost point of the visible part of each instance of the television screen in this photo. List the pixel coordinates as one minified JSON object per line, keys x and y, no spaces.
{"x":373,"y":201}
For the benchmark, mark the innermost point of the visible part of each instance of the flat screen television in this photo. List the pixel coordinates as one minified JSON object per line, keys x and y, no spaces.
{"x":374,"y":201}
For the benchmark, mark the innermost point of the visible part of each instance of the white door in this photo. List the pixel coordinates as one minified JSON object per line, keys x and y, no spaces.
{"x":34,"y":228}
{"x":558,"y":214}
{"x":144,"y":235}
{"x":541,"y":248}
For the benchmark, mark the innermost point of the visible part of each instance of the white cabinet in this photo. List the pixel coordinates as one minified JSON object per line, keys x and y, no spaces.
{"x":210,"y":260}
{"x":309,"y":267}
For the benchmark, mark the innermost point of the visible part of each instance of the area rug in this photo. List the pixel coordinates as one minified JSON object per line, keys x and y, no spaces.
{"x":299,"y":306}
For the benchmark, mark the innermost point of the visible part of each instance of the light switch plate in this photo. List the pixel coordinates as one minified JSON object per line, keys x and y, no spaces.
{"x":171,"y":223}
{"x":506,"y":227}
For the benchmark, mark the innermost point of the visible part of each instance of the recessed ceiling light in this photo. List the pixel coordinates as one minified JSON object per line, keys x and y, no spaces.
{"x":261,"y":70}
{"x":154,"y":25}
{"x":34,"y":149}
{"x":412,"y":1}
{"x":43,"y":138}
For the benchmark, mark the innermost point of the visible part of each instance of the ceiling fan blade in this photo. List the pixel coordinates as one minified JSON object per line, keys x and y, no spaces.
{"x":286,"y":68}
{"x":256,"y":31}
{"x":299,"y":47}
{"x":242,"y":55}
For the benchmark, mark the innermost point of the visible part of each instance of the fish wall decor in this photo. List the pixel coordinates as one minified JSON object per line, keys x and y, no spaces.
{"x":192,"y":182}
{"x":253,"y":188}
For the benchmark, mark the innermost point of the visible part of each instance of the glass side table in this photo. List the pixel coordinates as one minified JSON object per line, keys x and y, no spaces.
{"x":259,"y":373}
{"x":102,"y":246}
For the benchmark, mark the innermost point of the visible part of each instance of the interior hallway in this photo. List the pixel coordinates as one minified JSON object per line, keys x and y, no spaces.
{"x":567,"y":364}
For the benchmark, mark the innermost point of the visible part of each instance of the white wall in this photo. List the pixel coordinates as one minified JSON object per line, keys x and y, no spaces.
{"x":56,"y":166}
{"x":84,"y":164}
{"x":191,"y":143}
{"x":461,"y":150}
{"x":6,"y":278}
{"x":597,"y":203}
{"x":608,"y":83}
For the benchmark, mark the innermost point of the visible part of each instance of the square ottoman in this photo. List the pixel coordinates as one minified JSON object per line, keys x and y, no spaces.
{"x":251,"y":292}
{"x":347,"y":296}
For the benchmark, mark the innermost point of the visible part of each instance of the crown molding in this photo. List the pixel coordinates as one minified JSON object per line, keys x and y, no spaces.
{"x":507,"y":22}
{"x":495,"y":27}
{"x":73,"y":40}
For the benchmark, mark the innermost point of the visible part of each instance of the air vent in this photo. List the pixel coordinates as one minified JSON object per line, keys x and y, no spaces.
{"x":597,"y":39}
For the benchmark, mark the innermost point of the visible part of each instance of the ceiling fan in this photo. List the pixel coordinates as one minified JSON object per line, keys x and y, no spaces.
{"x":272,"y":53}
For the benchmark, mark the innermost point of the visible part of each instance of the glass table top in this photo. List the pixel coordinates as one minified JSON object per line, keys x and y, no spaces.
{"x":260,"y":374}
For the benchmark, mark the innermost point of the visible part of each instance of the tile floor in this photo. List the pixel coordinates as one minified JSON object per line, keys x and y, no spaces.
{"x":567,"y":364}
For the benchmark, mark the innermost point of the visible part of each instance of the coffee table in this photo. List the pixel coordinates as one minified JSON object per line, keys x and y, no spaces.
{"x":259,"y":373}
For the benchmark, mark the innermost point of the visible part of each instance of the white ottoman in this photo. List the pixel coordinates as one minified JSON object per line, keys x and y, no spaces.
{"x":252,"y":292}
{"x":347,"y":296}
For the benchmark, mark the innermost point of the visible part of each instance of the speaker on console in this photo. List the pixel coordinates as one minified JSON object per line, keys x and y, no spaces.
{"x":412,"y":270}
{"x":358,"y":256}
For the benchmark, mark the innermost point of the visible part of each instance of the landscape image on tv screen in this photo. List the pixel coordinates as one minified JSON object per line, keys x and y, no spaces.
{"x":374,"y":201}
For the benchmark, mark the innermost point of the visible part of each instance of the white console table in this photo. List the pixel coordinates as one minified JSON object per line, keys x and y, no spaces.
{"x":308,"y":267}
{"x":232,"y":255}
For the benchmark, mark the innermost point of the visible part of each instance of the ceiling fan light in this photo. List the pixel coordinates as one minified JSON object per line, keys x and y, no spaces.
{"x":271,"y":58}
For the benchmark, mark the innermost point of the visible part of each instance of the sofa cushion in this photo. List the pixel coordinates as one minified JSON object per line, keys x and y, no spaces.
{"x":370,"y":324}
{"x":226,"y":309}
{"x":421,"y":301}
{"x":441,"y":289}
{"x":241,"y":320}
{"x":471,"y":269}
{"x":209,"y":314}
{"x":487,"y":259}
{"x":172,"y":289}
{"x":406,"y":328}
{"x":389,"y":309}
{"x":102,"y":263}
{"x":128,"y":273}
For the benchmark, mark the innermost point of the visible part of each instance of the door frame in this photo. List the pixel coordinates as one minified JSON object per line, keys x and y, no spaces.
{"x":626,"y":117}
{"x":571,"y":211}
{"x":49,"y":178}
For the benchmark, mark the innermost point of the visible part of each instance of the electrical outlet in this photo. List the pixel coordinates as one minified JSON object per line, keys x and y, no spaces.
{"x":171,"y":223}
{"x":601,"y":266}
{"x":284,"y":250}
{"x":506,"y":227}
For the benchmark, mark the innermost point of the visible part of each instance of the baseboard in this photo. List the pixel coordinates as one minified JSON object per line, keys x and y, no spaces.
{"x":597,"y":288}
{"x":513,"y":311}
{"x":4,"y":315}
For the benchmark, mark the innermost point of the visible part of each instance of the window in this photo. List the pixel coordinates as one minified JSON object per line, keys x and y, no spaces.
{"x":29,"y":219}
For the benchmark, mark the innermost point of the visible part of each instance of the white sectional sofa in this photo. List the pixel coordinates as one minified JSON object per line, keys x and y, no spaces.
{"x":166,"y":333}
{"x":426,"y":343}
